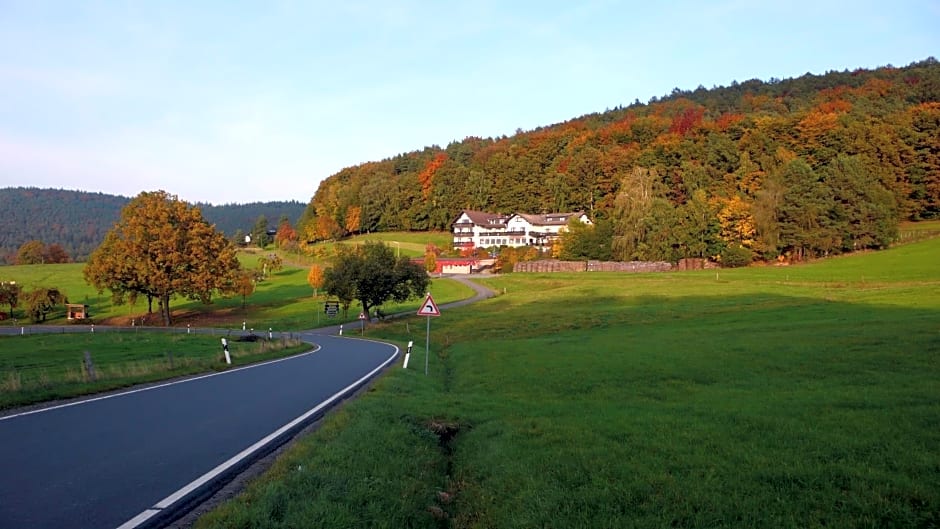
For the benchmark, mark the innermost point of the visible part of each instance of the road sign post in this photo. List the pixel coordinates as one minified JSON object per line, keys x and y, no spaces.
{"x":428,"y":308}
{"x":362,"y":322}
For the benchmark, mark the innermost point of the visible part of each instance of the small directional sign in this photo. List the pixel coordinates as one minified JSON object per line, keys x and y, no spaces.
{"x":331,"y":308}
{"x":429,"y":308}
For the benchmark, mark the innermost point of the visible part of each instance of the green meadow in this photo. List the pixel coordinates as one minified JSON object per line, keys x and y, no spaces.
{"x":791,"y":396}
{"x":284,"y":301}
{"x":35,"y":368}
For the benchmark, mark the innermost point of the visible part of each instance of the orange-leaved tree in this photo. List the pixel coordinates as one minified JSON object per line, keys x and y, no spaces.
{"x":286,"y":237}
{"x":430,"y":261}
{"x":315,"y":278}
{"x":162,"y":247}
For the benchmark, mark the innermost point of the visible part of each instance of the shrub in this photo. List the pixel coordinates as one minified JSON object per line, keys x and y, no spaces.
{"x":736,"y":256}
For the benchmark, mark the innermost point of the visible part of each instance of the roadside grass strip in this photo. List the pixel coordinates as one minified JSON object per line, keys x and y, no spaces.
{"x":42,"y":367}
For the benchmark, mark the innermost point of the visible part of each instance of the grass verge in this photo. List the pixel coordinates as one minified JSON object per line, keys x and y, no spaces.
{"x":43,"y":367}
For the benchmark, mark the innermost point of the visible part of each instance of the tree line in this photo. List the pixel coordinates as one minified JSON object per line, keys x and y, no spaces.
{"x":75,"y":222}
{"x":789,"y":169}
{"x":161,"y":248}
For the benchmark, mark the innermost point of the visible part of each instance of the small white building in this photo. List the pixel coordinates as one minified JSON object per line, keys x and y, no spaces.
{"x":476,"y":229}
{"x":472,"y":228}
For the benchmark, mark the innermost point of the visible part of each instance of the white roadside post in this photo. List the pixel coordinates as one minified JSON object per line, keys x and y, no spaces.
{"x":428,"y":309}
{"x":228,"y":358}
{"x":408,"y":354}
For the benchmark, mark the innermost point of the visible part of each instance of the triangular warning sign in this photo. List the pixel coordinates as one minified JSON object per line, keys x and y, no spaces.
{"x":429,"y":308}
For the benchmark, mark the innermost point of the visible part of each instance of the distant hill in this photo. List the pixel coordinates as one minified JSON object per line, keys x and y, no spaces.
{"x":79,"y":220}
{"x":803,"y":167}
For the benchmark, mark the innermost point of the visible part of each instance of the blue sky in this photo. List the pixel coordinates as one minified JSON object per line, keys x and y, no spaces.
{"x":234,"y":102}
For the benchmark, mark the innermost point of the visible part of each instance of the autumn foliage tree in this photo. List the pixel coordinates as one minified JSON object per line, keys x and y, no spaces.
{"x":426,"y":176}
{"x":244,"y":285}
{"x":56,"y":254}
{"x":286,"y":237}
{"x":36,"y":252}
{"x":353,"y":219}
{"x":31,"y":252}
{"x":162,"y":247}
{"x":315,"y":278}
{"x":430,"y":261}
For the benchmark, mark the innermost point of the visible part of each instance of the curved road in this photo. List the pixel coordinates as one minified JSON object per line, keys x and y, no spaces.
{"x":140,"y":457}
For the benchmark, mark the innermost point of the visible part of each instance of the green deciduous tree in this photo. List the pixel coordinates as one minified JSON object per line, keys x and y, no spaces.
{"x":805,"y":215}
{"x":10,"y":295}
{"x":697,"y":228}
{"x":41,"y":301}
{"x":162,"y":247}
{"x":373,"y":275}
{"x":632,"y":209}
{"x":865,"y":212}
{"x":586,"y":241}
{"x":259,"y":233}
{"x":268,"y":265}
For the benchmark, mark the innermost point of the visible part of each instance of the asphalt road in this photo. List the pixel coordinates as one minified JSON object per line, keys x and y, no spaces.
{"x":132,"y":459}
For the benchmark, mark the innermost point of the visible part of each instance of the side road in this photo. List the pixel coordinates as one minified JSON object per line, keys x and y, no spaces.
{"x":480,"y":293}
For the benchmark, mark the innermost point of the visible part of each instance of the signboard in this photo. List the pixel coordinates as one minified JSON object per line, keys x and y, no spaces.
{"x":331,"y":308}
{"x":362,"y":315}
{"x":429,"y":308}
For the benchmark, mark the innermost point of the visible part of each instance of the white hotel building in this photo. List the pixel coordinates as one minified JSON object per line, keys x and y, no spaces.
{"x":476,"y":229}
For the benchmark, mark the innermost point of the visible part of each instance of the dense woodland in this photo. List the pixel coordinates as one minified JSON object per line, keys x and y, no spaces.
{"x":780,"y":169}
{"x":76,"y":221}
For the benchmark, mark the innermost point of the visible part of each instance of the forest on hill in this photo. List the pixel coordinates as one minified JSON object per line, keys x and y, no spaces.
{"x":77,"y":221}
{"x":792,"y":168}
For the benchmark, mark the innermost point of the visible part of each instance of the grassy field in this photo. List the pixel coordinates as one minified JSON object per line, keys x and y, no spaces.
{"x":411,"y":244}
{"x":41,"y":367}
{"x":405,"y":243}
{"x":802,"y":396}
{"x":283,"y":302}
{"x":44,"y":367}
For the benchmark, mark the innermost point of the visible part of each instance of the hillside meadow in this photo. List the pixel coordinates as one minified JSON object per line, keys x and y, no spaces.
{"x":35,"y":368}
{"x":800,"y":396}
{"x":284,"y":301}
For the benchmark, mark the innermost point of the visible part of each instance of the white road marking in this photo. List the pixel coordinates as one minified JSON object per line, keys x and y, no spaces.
{"x":140,"y":390}
{"x":208,"y":476}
